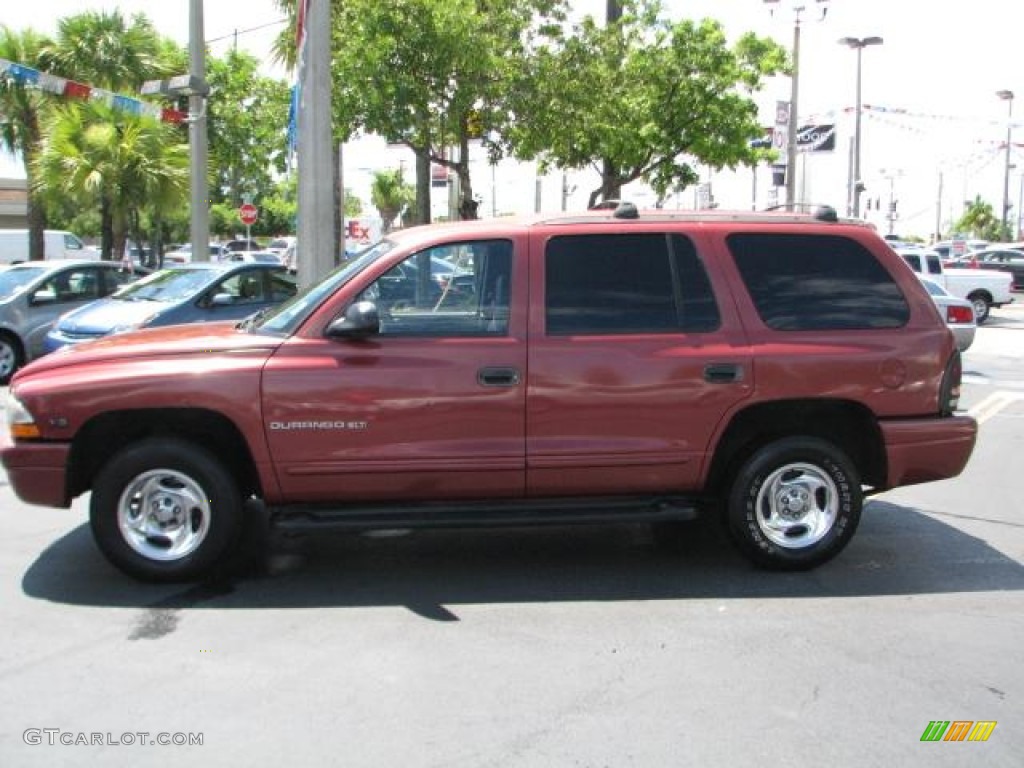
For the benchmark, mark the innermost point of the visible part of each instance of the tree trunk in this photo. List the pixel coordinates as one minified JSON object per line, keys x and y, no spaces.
{"x":36,"y":228}
{"x":107,"y":229}
{"x":421,"y":215}
{"x":339,"y":207}
{"x":36,"y":212}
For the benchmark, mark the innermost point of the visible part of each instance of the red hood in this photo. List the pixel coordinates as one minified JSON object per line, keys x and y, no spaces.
{"x":181,"y":341}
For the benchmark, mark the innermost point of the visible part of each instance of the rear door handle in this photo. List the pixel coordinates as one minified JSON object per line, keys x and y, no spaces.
{"x":723,"y":373}
{"x":498,"y":377}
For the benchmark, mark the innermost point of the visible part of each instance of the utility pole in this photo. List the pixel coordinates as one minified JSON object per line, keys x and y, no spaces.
{"x":199,"y":228}
{"x":317,"y":242}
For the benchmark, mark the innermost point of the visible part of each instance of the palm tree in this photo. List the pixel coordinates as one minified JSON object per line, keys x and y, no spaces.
{"x":21,"y":108}
{"x":391,"y":196}
{"x":107,"y":51}
{"x":92,"y":154}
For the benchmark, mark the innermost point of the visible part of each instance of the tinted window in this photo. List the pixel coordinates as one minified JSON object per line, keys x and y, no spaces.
{"x":817,"y":282}
{"x":638,"y":283}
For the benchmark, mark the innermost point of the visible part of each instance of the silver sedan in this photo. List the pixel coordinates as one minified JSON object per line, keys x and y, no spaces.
{"x":958,"y":313}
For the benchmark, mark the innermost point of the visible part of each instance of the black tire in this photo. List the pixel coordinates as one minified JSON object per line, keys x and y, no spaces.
{"x":11,"y":357}
{"x":194,"y":518}
{"x":794,"y":504}
{"x":982,"y":306}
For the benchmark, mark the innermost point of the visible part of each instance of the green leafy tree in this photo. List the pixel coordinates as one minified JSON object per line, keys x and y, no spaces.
{"x":247,"y":119}
{"x":448,"y":63}
{"x":391,"y":196}
{"x":91,"y":154}
{"x":22,"y":109}
{"x":980,"y":221}
{"x":641,"y":98}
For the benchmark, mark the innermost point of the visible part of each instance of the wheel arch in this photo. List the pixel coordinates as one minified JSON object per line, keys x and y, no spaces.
{"x":107,"y":433}
{"x":846,"y":424}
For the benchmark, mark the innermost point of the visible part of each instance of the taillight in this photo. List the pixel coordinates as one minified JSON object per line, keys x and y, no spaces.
{"x":949,"y":393}
{"x":960,"y":315}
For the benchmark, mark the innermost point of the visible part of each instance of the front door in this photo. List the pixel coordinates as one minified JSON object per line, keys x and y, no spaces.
{"x":430,"y":408}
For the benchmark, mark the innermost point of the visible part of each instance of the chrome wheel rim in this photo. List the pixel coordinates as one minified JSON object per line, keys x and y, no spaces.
{"x":980,"y":309}
{"x":163,"y":515}
{"x":797,"y":506}
{"x":6,"y":359}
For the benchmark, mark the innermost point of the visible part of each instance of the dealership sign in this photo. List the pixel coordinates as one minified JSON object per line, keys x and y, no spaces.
{"x":816,"y":138}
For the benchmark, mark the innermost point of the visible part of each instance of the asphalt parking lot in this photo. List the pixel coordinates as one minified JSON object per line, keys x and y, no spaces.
{"x":556,"y":647}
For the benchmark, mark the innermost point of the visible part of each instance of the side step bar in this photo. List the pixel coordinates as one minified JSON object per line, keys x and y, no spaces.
{"x":368,"y":517}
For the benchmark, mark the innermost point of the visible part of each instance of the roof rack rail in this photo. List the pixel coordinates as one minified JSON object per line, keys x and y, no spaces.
{"x":819,"y":211}
{"x":620,"y":209}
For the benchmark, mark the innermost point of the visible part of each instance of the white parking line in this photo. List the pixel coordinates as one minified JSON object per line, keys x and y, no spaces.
{"x":993,"y":404}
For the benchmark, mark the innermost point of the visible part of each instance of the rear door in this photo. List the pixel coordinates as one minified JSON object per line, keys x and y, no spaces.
{"x":633,"y":365}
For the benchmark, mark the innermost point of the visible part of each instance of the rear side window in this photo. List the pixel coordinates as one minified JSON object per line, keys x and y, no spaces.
{"x":817,"y":283}
{"x":618,"y":284}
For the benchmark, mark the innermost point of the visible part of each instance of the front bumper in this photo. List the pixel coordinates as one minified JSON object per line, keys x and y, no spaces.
{"x":38,"y":472}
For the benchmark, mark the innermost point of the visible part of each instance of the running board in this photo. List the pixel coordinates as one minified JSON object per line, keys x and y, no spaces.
{"x":368,"y":517}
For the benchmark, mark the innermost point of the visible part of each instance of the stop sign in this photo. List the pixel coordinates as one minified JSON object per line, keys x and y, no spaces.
{"x":248,"y":213}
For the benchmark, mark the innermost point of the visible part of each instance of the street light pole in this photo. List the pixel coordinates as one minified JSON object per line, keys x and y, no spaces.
{"x":1007,"y":96}
{"x":798,"y":6}
{"x":856,"y":185}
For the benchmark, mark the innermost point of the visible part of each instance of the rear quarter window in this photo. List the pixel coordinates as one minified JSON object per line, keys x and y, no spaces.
{"x":817,"y":283}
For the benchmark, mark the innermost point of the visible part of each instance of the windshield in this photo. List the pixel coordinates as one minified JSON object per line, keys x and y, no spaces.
{"x":13,"y":280}
{"x":286,"y":317}
{"x":167,"y":285}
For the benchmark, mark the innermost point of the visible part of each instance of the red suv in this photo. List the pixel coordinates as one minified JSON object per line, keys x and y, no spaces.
{"x":611,"y":365}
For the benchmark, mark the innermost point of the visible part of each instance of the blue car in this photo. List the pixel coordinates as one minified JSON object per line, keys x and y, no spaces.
{"x":189,"y":293}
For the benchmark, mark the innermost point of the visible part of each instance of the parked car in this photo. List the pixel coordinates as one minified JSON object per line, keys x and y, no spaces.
{"x":243,"y":245}
{"x":958,"y":313}
{"x":280,"y":245}
{"x":945,"y":249}
{"x":190,"y":293}
{"x":1003,"y":260}
{"x":982,"y":288}
{"x":614,"y":365}
{"x":183,"y":254}
{"x":57,"y":244}
{"x":34,"y":293}
{"x":261,"y":257}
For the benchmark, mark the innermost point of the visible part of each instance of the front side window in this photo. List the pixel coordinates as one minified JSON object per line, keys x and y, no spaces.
{"x":456,"y":289}
{"x":72,"y":285}
{"x":817,"y":283}
{"x":72,"y":243}
{"x":626,"y":283}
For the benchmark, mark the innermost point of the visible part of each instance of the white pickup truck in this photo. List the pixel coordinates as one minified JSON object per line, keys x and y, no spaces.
{"x":983,"y":288}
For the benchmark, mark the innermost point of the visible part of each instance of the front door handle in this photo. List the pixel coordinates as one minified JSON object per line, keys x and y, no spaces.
{"x":497,"y":377}
{"x":723,"y":373}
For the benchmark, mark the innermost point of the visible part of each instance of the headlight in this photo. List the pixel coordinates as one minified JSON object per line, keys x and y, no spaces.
{"x":21,"y":423}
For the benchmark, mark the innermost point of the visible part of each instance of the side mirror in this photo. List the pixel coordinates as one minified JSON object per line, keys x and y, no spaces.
{"x":360,"y":321}
{"x":222,"y":300}
{"x":42,"y":297}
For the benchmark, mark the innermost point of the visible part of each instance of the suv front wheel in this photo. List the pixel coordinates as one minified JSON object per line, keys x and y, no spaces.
{"x":794,"y":504}
{"x":165,"y":510}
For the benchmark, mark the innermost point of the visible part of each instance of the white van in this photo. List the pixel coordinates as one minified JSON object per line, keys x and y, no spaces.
{"x":57,"y":243}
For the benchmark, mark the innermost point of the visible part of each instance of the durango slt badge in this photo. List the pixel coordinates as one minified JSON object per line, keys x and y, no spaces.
{"x":318,"y":425}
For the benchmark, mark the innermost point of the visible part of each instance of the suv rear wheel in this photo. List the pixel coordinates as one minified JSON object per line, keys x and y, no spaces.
{"x":165,"y":510}
{"x":794,"y":504}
